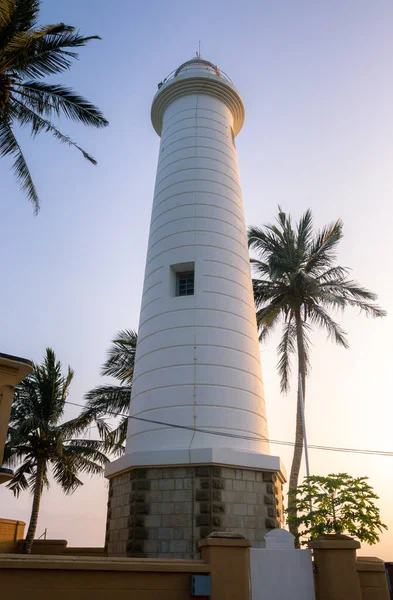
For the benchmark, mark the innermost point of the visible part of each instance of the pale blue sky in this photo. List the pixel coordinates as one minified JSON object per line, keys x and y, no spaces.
{"x":317,"y":82}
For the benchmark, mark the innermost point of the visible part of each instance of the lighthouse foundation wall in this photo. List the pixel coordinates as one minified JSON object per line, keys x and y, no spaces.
{"x":163,"y":512}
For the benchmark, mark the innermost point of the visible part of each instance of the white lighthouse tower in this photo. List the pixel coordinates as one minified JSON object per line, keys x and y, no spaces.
{"x":197,"y":455}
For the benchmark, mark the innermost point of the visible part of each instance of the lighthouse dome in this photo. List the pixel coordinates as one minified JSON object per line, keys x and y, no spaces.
{"x":199,"y":66}
{"x":192,"y":77}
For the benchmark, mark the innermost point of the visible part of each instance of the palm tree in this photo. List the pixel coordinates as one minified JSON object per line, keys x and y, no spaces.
{"x":298,"y":285}
{"x":107,"y":400}
{"x":28,"y":53}
{"x":38,"y":440}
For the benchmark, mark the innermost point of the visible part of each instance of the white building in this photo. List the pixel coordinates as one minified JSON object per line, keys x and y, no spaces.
{"x":197,"y":397}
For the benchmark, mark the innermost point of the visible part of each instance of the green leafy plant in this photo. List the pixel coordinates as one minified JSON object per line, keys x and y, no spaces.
{"x":29,"y":52}
{"x":341,"y":504}
{"x":40,"y":442}
{"x":299,"y":286}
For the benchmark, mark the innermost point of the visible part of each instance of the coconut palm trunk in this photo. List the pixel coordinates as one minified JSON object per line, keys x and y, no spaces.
{"x":299,"y":435}
{"x":38,"y":486}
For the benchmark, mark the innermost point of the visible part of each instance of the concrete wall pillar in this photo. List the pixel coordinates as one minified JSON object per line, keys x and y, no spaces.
{"x":229,"y":562}
{"x":372,"y":577}
{"x":335,"y":561}
{"x":10,"y":533}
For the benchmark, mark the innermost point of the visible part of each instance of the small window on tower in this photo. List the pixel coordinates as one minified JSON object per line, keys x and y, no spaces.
{"x":185,"y":283}
{"x":182,"y":279}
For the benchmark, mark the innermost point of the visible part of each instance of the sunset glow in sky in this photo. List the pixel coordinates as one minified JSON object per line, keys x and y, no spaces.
{"x":317,"y":82}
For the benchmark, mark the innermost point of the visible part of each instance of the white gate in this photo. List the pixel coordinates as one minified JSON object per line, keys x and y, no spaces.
{"x":279,"y":571}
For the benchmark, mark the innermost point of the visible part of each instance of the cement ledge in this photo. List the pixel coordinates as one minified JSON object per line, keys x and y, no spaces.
{"x":225,"y":542}
{"x":86,"y":563}
{"x":197,"y":456}
{"x":370,"y":563}
{"x":334,"y":542}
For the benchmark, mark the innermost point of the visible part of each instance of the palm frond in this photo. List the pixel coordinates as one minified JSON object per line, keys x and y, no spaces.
{"x":288,"y":251}
{"x":267,"y":320}
{"x":336,"y":333}
{"x":26,"y":116}
{"x":15,"y":17}
{"x":21,"y":46}
{"x":265,"y":241}
{"x":10,"y":145}
{"x":323,"y":248}
{"x":335,"y":273}
{"x":108,"y":399}
{"x":103,"y":428}
{"x":352,"y":288}
{"x":121,"y":356}
{"x":49,"y":54}
{"x":368,"y":308}
{"x":112,"y":400}
{"x":266,"y":292}
{"x":26,"y":404}
{"x":26,"y":13}
{"x":330,"y":300}
{"x":56,"y":99}
{"x":75,"y":426}
{"x":6,"y":12}
{"x":350,"y":293}
{"x":115,"y":440}
{"x":285,"y":349}
{"x":304,"y":231}
{"x":16,"y":450}
{"x":26,"y":424}
{"x":259,"y":267}
{"x":276,"y":248}
{"x":65,"y":474}
{"x":80,"y":449}
{"x":53,"y":387}
{"x":22,"y":478}
{"x":63,"y":391}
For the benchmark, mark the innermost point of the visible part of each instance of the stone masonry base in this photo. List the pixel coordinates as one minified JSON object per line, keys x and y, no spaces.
{"x":164,"y":512}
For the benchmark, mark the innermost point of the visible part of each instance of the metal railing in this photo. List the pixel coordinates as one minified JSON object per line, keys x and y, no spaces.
{"x":196,"y":64}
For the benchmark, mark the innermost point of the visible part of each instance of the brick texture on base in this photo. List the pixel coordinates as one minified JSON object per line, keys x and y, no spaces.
{"x":164,"y":512}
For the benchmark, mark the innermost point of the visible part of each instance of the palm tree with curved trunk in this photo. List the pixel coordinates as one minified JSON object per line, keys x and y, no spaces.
{"x":39,"y":442}
{"x":110,"y":400}
{"x":29,"y":52}
{"x":298,"y":285}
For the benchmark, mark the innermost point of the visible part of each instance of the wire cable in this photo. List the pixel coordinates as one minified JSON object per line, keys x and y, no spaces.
{"x":243,"y":437}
